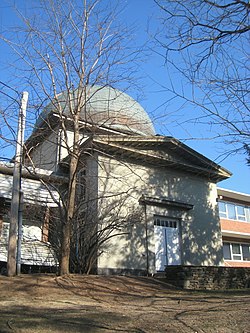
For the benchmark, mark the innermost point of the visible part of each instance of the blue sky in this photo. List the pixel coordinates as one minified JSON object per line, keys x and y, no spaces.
{"x":143,"y":14}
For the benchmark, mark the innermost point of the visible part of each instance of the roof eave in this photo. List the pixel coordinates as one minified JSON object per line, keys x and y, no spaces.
{"x":215,"y":175}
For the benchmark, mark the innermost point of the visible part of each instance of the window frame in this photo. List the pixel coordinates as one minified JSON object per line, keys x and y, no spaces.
{"x":240,"y":255}
{"x":238,"y":217}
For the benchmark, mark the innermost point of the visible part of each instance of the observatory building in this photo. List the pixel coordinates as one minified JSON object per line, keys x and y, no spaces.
{"x":144,"y":201}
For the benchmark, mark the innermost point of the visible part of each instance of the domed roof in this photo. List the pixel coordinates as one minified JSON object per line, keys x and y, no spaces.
{"x":103,"y":106}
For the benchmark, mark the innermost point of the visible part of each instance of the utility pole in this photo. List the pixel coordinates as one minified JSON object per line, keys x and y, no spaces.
{"x":20,"y":232}
{"x":16,"y":190}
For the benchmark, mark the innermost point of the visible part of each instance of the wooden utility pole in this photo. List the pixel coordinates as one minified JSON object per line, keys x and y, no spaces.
{"x":16,"y":190}
{"x":20,"y":231}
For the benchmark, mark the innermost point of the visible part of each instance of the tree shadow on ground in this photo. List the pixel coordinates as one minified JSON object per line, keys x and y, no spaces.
{"x":81,"y":303}
{"x":69,"y":318}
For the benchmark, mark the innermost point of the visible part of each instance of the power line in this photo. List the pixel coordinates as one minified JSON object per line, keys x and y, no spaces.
{"x":8,"y":95}
{"x":6,"y":85}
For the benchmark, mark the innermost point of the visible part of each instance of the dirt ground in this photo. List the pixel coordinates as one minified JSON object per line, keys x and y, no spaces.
{"x":78,"y":303}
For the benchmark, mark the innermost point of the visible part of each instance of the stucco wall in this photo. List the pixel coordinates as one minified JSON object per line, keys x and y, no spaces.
{"x":119,"y":191}
{"x":122,"y":184}
{"x":67,"y":143}
{"x":53,"y":149}
{"x":45,"y":155}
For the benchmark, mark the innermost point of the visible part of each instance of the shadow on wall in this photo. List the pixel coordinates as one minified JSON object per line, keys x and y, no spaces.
{"x":200,"y":229}
{"x":136,"y":253}
{"x":120,"y":189}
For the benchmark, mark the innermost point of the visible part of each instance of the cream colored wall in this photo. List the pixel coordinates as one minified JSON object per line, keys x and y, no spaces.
{"x":53,"y":149}
{"x":122,"y":184}
{"x":67,"y":143}
{"x":45,"y":155}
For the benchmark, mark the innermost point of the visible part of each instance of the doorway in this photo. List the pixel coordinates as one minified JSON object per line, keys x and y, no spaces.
{"x":167,"y":243}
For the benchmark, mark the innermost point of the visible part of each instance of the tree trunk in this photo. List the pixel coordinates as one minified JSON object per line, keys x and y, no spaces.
{"x":67,"y":226}
{"x":66,"y":236}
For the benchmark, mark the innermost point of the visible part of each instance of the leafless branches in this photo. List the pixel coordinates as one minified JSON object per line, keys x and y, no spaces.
{"x":207,"y":43}
{"x":62,"y":51}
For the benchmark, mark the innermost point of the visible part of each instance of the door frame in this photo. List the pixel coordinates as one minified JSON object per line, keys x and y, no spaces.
{"x":168,"y":222}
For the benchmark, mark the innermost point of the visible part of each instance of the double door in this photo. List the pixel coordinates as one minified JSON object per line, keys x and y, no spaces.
{"x":167,"y":243}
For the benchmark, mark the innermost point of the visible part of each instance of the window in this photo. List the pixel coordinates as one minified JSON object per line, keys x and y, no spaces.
{"x":236,"y":251}
{"x":222,"y":209}
{"x":226,"y":251}
{"x":163,"y":222}
{"x":246,"y":252}
{"x":234,"y":212}
{"x":241,"y":213}
{"x":231,"y":213}
{"x":81,"y":185}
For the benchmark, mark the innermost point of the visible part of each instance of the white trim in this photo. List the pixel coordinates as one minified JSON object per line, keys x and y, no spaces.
{"x":235,"y":233}
{"x":233,"y":194}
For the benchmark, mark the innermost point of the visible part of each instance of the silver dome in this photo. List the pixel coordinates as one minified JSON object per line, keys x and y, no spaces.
{"x":103,"y":106}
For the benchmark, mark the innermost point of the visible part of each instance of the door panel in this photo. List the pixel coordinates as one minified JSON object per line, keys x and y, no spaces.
{"x":160,"y":248}
{"x":173,"y":246}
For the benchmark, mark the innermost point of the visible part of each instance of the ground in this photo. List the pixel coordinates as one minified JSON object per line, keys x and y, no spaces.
{"x":80,"y":303}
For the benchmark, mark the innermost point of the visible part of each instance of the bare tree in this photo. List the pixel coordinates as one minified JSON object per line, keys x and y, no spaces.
{"x":10,"y":103}
{"x":64,"y":52}
{"x":207,"y":43}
